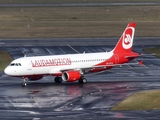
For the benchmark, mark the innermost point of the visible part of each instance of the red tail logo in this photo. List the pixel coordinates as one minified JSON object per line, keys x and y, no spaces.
{"x":126,"y":41}
{"x":128,"y":38}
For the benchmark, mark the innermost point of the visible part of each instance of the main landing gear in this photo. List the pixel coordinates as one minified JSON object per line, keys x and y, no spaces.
{"x":58,"y":79}
{"x":82,"y":80}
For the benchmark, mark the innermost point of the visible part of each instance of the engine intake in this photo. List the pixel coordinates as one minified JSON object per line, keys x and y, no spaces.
{"x":71,"y":76}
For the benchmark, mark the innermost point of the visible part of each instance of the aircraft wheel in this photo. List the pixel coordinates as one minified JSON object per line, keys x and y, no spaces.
{"x":58,"y":79}
{"x":24,"y":84}
{"x":83,"y":81}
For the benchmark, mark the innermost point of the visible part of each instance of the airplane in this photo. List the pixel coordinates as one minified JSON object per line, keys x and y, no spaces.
{"x":73,"y":67}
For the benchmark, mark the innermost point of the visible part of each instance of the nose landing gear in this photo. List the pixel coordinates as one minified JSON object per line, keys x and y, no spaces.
{"x":24,"y":82}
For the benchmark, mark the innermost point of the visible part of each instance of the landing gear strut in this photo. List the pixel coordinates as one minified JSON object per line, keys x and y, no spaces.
{"x":24,"y":82}
{"x":82,"y":80}
{"x":58,"y":79}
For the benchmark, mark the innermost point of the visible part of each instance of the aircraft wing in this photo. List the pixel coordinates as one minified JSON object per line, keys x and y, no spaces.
{"x":102,"y":66}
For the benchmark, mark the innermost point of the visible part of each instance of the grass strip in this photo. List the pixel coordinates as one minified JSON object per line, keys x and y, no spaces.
{"x":5,"y":59}
{"x":153,"y":50}
{"x":147,"y":100}
{"x":77,"y":22}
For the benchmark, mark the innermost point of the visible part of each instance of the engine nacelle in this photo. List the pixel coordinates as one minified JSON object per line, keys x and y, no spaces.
{"x":71,"y":76}
{"x":35,"y":77}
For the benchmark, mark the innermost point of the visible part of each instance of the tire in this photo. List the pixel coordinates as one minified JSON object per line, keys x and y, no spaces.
{"x":24,"y":84}
{"x":83,"y":81}
{"x":58,"y":79}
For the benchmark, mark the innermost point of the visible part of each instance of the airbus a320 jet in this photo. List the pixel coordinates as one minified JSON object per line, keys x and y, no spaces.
{"x":73,"y":67}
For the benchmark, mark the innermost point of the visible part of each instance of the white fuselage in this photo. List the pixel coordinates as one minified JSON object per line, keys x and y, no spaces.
{"x":55,"y":64}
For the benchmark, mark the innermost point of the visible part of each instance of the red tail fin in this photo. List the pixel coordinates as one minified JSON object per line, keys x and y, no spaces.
{"x":126,"y":40}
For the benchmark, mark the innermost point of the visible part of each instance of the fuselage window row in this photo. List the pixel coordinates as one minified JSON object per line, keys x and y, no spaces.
{"x":89,"y":60}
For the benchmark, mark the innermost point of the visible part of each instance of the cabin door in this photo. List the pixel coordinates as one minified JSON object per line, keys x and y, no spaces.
{"x":116,"y":59}
{"x":29,"y":65}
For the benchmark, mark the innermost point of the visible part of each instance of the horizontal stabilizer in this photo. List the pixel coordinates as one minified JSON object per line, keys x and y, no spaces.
{"x":133,"y":56}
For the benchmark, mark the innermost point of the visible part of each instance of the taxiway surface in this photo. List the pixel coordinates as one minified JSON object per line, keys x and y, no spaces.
{"x":79,"y":4}
{"x":44,"y":99}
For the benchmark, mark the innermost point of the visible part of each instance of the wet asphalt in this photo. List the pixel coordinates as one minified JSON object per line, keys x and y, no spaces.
{"x":83,"y":4}
{"x":45,"y":99}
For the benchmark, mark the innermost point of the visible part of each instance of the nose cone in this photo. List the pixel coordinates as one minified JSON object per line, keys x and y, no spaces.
{"x":7,"y":71}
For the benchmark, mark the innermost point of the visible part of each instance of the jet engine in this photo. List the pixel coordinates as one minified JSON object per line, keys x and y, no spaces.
{"x":71,"y":76}
{"x":35,"y":77}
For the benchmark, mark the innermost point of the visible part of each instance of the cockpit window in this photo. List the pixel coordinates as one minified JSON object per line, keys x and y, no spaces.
{"x":12,"y":64}
{"x":15,"y":64}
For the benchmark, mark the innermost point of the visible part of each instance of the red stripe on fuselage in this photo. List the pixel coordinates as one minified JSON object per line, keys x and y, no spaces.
{"x":119,"y":59}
